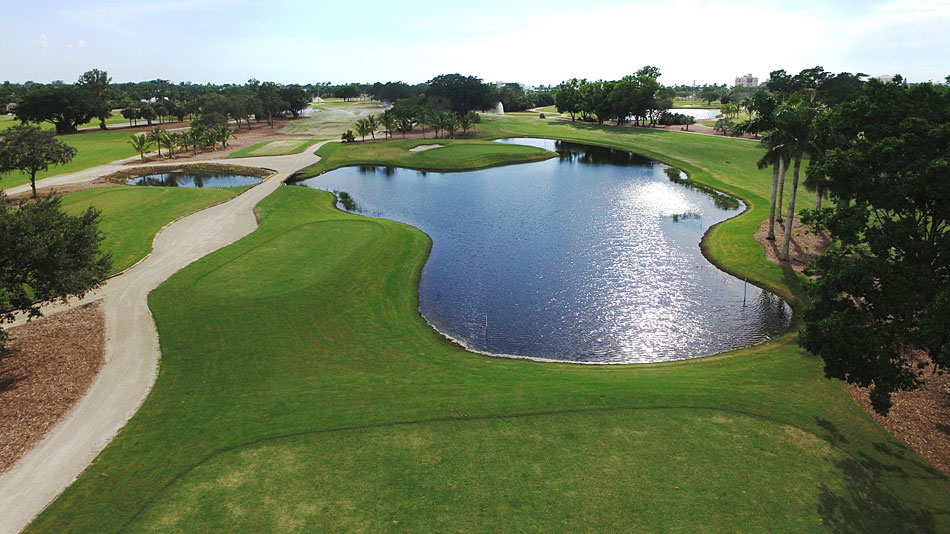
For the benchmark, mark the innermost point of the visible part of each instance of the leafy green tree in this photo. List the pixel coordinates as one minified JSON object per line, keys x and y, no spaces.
{"x":880,"y":311}
{"x":567,"y":99}
{"x":710,"y":94}
{"x":405,"y":125}
{"x":463,"y":93}
{"x":96,"y":82}
{"x":45,"y":256}
{"x":451,"y":124}
{"x":31,"y":150}
{"x":469,"y":120}
{"x":64,"y":106}
{"x":295,"y":97}
{"x":141,"y":144}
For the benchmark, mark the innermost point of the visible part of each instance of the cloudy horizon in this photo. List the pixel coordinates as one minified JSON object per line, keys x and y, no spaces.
{"x":532,"y":42}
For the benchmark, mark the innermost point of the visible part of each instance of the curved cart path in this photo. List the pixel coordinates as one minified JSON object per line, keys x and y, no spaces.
{"x":132,"y":349}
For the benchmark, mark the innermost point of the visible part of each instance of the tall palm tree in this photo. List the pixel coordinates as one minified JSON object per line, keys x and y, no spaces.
{"x":362,"y":128}
{"x":405,"y":125}
{"x":168,"y":141}
{"x":795,"y":121}
{"x":141,"y":144}
{"x":373,"y":124}
{"x":389,"y":121}
{"x":157,"y":136}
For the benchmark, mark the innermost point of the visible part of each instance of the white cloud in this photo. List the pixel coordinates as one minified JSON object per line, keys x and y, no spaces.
{"x":43,"y":41}
{"x":80,"y":43}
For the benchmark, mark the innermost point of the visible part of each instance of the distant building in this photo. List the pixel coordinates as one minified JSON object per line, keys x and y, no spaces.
{"x":885,"y":78}
{"x":747,"y":81}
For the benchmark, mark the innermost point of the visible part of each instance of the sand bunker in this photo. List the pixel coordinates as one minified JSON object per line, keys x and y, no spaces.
{"x":422,"y":148}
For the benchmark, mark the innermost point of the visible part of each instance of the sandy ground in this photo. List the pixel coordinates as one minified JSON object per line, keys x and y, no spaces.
{"x":423,"y":148}
{"x":804,"y":246}
{"x":132,"y":349}
{"x":920,"y":418}
{"x":50,"y":364}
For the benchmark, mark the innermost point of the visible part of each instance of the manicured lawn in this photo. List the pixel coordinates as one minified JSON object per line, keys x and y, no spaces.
{"x":93,"y":148}
{"x":131,"y":216}
{"x":694,"y":103}
{"x":280,"y":147}
{"x":300,"y":390}
{"x":454,"y":155}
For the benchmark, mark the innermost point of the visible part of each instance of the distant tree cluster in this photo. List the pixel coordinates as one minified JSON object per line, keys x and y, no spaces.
{"x":637,"y":98}
{"x":93,"y":96}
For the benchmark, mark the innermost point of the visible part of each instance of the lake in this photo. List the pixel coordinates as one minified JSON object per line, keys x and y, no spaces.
{"x":589,"y":257}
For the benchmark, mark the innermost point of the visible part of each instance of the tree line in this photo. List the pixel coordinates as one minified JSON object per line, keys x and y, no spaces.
{"x":880,"y":296}
{"x":637,"y":98}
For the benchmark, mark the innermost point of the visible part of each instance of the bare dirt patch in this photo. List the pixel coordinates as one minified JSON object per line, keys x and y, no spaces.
{"x":920,"y":418}
{"x":50,"y":364}
{"x":423,"y":148}
{"x":805,"y":244}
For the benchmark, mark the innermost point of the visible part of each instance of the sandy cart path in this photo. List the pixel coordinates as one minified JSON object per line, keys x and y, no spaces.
{"x":132,"y":349}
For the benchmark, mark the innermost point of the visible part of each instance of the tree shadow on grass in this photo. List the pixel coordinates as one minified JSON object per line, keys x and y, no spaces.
{"x":864,"y":504}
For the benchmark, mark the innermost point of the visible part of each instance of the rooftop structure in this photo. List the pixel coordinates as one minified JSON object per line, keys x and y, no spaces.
{"x":747,"y":81}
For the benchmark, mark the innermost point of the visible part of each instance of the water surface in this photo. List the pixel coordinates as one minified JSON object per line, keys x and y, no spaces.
{"x":592,"y":257}
{"x":209,"y":179}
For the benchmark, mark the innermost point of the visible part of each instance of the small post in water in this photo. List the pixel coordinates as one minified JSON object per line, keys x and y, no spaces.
{"x":745,"y":286}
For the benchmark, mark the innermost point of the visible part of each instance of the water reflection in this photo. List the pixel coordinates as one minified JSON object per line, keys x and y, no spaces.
{"x":208,"y":179}
{"x":590,"y":257}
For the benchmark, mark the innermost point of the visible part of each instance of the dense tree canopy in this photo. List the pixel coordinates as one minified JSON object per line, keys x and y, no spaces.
{"x":31,"y":150}
{"x":881,"y":302}
{"x":461,"y":93}
{"x":46,"y":255}
{"x":65,"y":106}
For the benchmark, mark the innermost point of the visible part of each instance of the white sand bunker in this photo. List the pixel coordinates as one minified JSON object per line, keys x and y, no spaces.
{"x":422,"y":148}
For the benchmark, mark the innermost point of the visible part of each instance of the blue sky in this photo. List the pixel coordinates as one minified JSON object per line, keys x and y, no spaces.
{"x":531,"y":42}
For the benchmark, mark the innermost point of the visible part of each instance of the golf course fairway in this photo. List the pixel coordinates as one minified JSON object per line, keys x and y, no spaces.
{"x":300,"y":390}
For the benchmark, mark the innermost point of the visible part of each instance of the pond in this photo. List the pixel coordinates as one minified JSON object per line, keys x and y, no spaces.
{"x":208,"y":179}
{"x":589,"y":257}
{"x":698,"y":114}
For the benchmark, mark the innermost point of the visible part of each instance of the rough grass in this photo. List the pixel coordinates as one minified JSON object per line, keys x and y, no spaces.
{"x":334,"y":118}
{"x":131,"y":216}
{"x":300,"y":390}
{"x":454,"y":155}
{"x":93,"y":148}
{"x":280,"y":147}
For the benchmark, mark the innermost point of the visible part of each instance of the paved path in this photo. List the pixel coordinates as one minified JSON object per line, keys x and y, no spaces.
{"x":132,"y":350}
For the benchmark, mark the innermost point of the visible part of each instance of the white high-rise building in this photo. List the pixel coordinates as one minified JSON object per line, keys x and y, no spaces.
{"x":747,"y":81}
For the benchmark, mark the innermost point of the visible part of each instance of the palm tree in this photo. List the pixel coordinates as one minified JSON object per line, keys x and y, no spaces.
{"x":468,"y":120}
{"x":795,"y":122}
{"x":775,"y":157}
{"x":373,"y":125}
{"x":141,"y":144}
{"x":168,"y":140}
{"x":222,"y":133}
{"x":389,"y":122}
{"x":362,"y":128}
{"x":157,"y":136}
{"x":451,"y":124}
{"x":405,"y":125}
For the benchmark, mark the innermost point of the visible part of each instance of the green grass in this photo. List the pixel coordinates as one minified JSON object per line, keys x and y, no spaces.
{"x":454,"y":155}
{"x":300,"y":390}
{"x":131,"y":216}
{"x":334,"y":118}
{"x":694,"y":103}
{"x":116,"y":118}
{"x":280,"y":147}
{"x":93,"y":148}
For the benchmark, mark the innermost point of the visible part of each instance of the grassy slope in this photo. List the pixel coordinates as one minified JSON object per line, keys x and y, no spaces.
{"x":299,"y":390}
{"x":131,"y":216}
{"x":93,"y":148}
{"x":454,"y":155}
{"x":280,"y":147}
